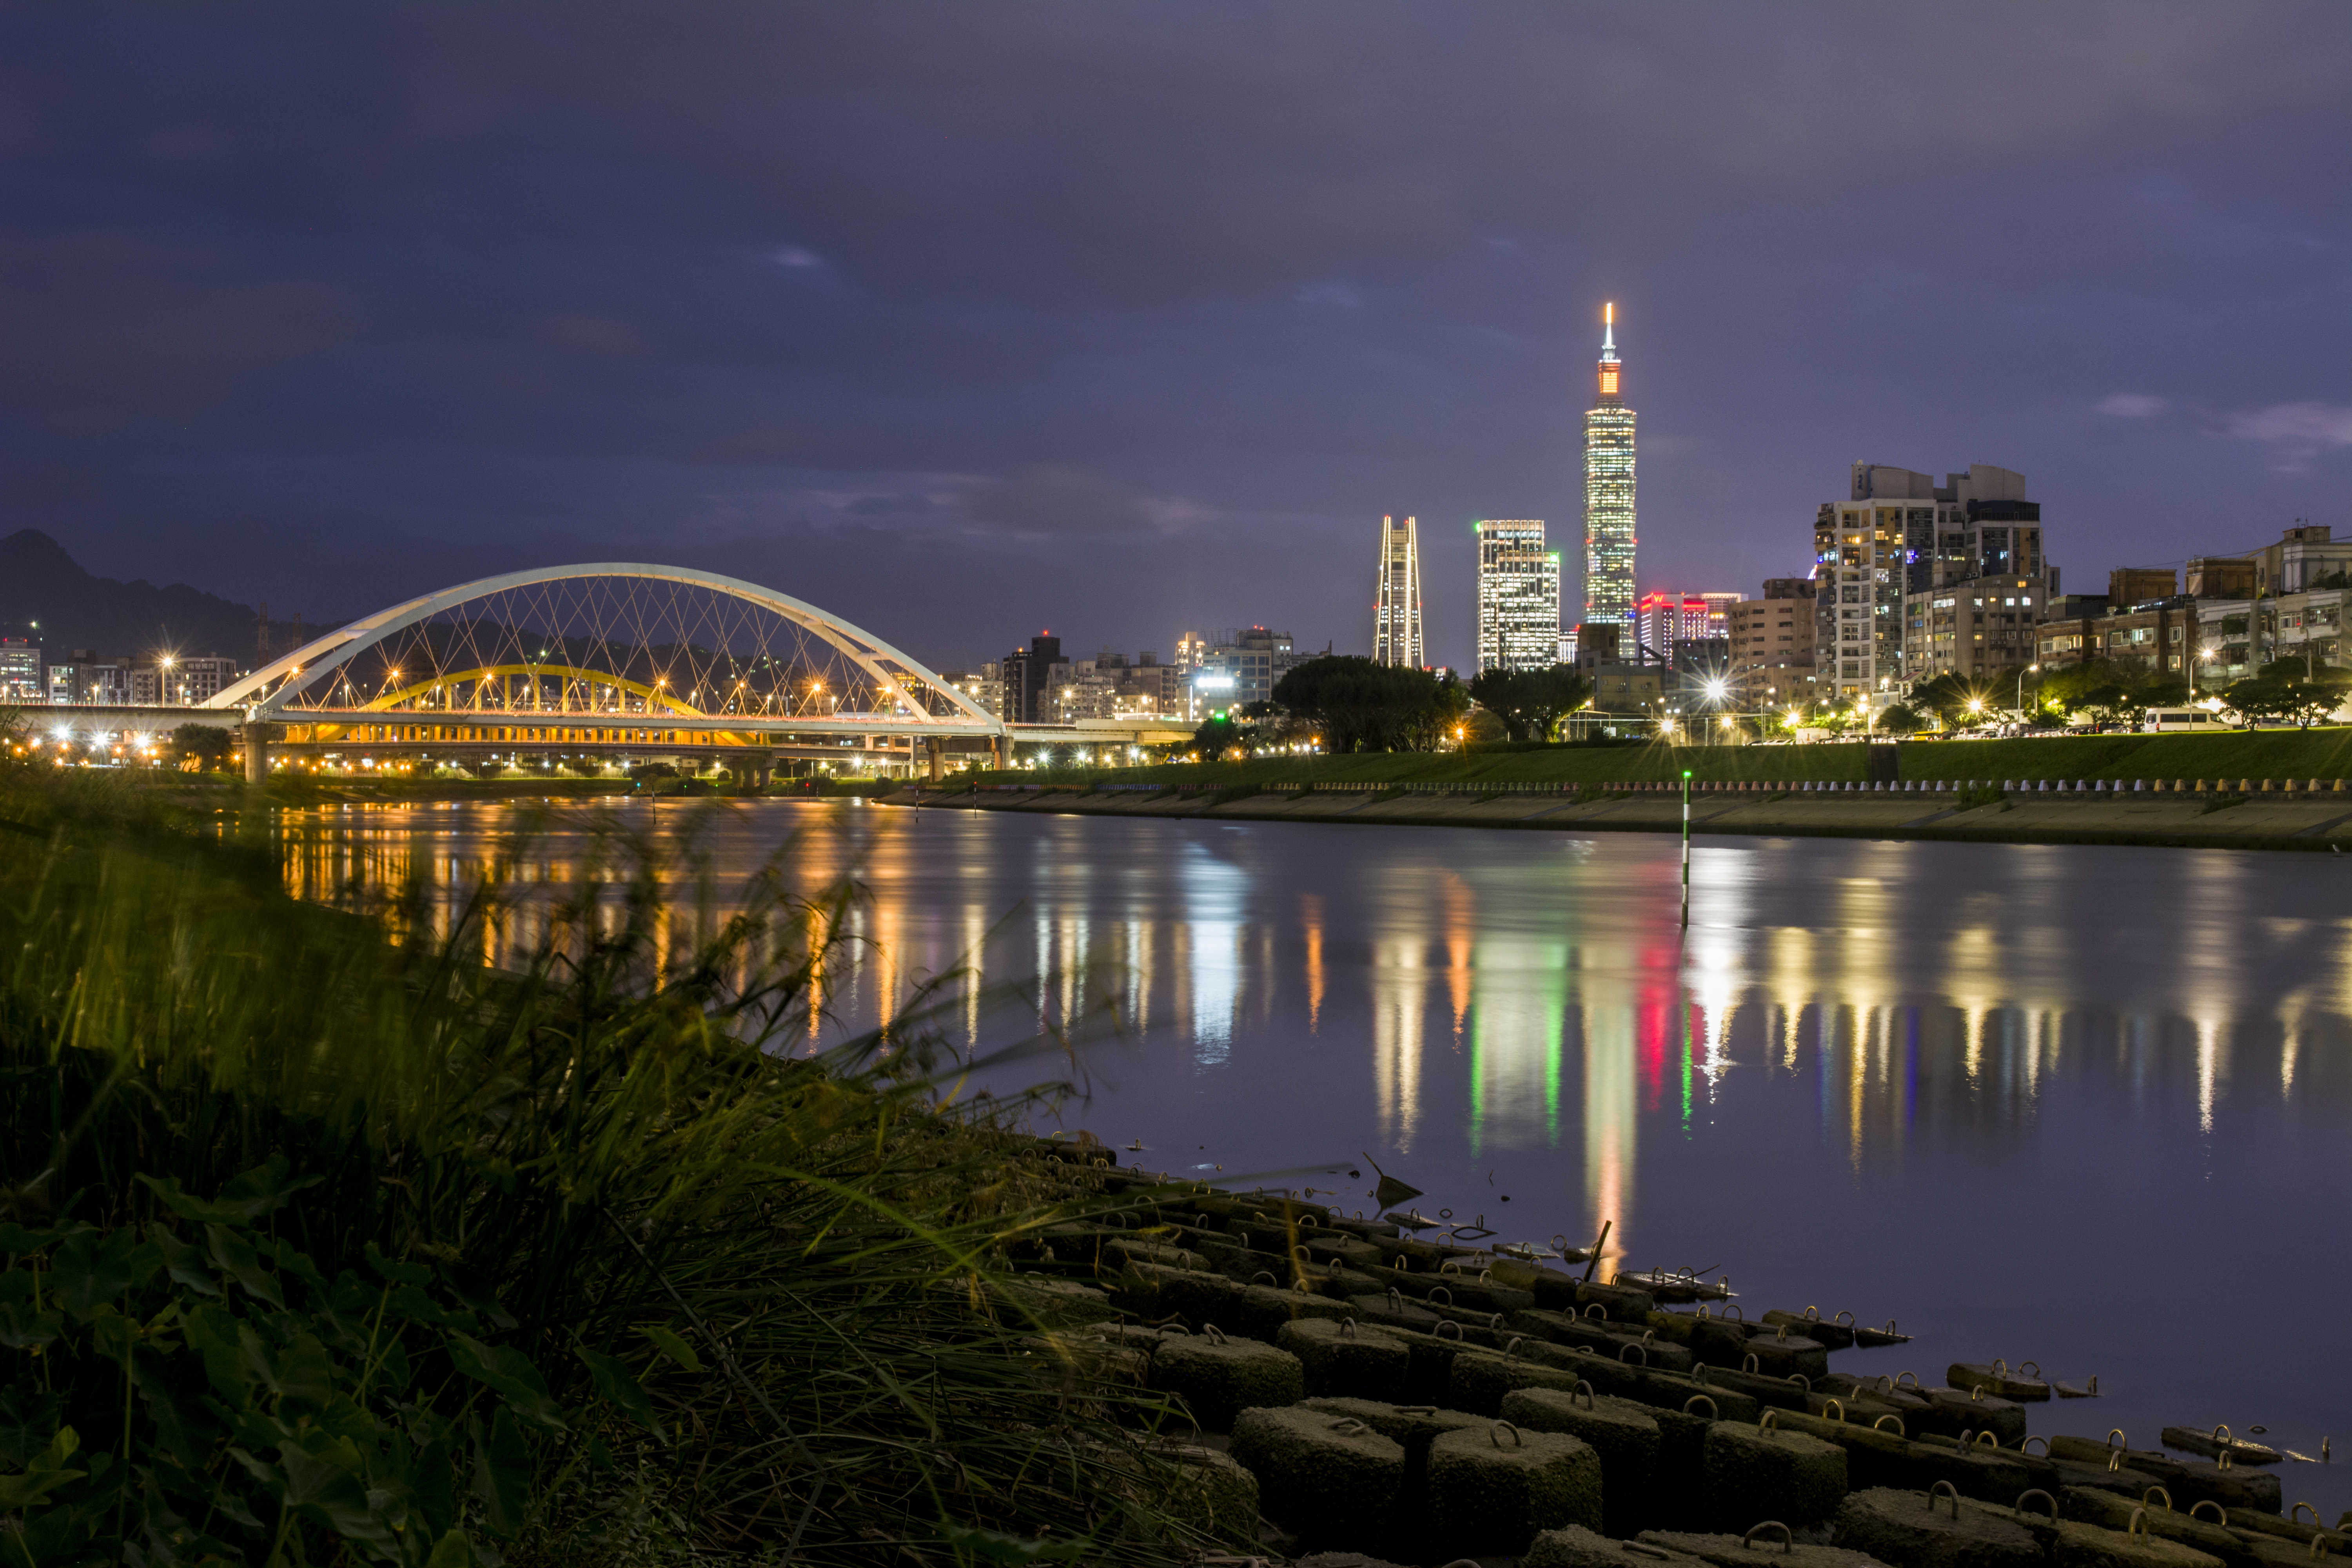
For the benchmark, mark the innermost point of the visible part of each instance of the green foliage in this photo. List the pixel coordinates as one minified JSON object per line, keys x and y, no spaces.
{"x":1901,"y":720}
{"x":206,"y":745}
{"x":2111,"y":690}
{"x":1953,"y":700}
{"x":1530,"y":703}
{"x":1218,"y":735}
{"x":2289,"y":690}
{"x":1357,"y":705}
{"x":197,"y":1389}
{"x":329,"y":1246}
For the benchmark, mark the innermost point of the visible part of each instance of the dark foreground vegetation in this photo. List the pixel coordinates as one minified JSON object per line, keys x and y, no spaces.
{"x":323,"y":1243}
{"x":2324,"y":753}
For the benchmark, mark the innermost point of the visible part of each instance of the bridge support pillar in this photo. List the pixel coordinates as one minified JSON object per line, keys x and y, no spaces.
{"x":936,"y":749}
{"x":257,"y":752}
{"x":996,"y":753}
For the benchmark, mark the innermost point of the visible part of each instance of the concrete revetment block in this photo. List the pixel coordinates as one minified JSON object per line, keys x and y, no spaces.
{"x":1219,"y":1377}
{"x":1754,"y":1473}
{"x":1347,"y":1359}
{"x":1922,"y":1530}
{"x":1491,"y":1491}
{"x":1573,"y":1546}
{"x":1331,"y":1478}
{"x":1756,"y":1549}
{"x":1622,"y":1432}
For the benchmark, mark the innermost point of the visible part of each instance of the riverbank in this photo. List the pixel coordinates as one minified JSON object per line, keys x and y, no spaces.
{"x":2300,"y":819}
{"x":2275,"y":754}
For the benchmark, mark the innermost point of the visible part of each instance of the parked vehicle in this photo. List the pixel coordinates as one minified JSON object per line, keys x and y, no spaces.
{"x":2161,"y":721}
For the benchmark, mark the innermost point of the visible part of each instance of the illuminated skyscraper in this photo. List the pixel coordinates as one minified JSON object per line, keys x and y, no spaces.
{"x":1396,"y":602}
{"x":1519,"y":596}
{"x":1609,"y":494}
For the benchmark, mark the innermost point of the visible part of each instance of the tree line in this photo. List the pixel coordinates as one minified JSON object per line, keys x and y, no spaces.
{"x":1348,"y":703}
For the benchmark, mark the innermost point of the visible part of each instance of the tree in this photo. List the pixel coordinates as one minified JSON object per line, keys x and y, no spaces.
{"x":1218,"y":734}
{"x":1357,"y":705}
{"x":1950,"y":698}
{"x":1530,"y":703}
{"x":1900,"y":719}
{"x":2289,"y":690}
{"x":2110,"y":690}
{"x":206,"y":745}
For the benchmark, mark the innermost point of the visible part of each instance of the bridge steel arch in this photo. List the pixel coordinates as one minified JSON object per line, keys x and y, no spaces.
{"x":264,"y":694}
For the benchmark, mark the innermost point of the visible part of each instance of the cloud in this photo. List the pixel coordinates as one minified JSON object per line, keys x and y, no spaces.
{"x":2310,"y":422}
{"x":1046,"y":499}
{"x":2132,"y":405}
{"x":796,"y":256}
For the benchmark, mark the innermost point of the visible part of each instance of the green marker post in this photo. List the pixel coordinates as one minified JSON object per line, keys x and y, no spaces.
{"x":1686,"y":778}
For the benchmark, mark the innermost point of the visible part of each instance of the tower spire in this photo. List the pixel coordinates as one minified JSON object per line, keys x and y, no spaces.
{"x":1608,"y":331}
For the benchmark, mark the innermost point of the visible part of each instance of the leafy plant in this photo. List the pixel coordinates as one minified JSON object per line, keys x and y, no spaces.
{"x":588,"y":1254}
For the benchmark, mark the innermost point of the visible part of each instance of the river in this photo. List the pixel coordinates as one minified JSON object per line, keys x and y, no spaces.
{"x":2085,"y":1106}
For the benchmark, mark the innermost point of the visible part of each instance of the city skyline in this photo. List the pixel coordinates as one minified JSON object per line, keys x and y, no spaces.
{"x":788,"y":307}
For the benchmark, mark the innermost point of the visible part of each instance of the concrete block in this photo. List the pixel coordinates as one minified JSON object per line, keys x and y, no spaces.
{"x":2071,"y":1543}
{"x":1755,"y":1473}
{"x":1492,"y":1491}
{"x":1479,"y":1380}
{"x":1263,"y":1309}
{"x":1225,"y":1493}
{"x":1921,"y":1530}
{"x":1347,"y":1359}
{"x":1622,"y":1433}
{"x":1757,"y":1549}
{"x":1218,"y":1377}
{"x":1331,"y":1478}
{"x":1573,"y":1546}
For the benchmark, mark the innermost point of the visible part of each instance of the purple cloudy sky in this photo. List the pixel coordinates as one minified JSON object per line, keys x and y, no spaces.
{"x":966,"y":319}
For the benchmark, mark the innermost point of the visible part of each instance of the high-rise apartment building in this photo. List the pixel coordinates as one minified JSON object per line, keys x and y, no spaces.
{"x":1029,"y":676}
{"x":1396,"y":602}
{"x":1884,"y":553}
{"x":1519,"y":596}
{"x":1609,"y":492}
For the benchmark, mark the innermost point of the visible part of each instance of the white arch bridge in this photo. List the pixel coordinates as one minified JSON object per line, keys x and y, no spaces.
{"x":619,"y":658}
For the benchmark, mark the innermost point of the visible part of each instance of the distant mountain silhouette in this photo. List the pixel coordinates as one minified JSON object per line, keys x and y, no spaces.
{"x":39,"y":581}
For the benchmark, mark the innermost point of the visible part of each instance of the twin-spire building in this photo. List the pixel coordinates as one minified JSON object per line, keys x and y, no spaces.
{"x":1519,"y":576}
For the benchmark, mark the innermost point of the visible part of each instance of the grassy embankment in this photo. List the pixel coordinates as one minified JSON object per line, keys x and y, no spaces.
{"x":322,"y":1243}
{"x":2257,"y":755}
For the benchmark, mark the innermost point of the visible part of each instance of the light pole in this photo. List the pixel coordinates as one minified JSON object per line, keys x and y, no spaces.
{"x":2021,"y":689}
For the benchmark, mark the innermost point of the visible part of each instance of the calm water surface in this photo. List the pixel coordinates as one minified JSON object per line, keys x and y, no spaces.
{"x":2091,"y":1108}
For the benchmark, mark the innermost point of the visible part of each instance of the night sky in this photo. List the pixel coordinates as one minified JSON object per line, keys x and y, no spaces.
{"x":968,"y":320}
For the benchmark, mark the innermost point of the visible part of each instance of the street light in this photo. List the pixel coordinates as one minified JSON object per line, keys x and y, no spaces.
{"x":2021,"y":689}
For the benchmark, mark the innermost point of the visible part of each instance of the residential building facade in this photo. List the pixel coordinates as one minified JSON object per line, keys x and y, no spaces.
{"x":1029,"y":678}
{"x":1974,"y":628}
{"x":1771,"y":642}
{"x":1242,"y":667}
{"x":1898,"y":535}
{"x":23,"y":677}
{"x":1519,"y":596}
{"x":1609,"y":490}
{"x":2160,"y":635}
{"x":1396,"y":599}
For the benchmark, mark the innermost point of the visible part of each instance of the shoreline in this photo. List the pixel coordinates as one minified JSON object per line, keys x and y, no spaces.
{"x":2317,"y":822}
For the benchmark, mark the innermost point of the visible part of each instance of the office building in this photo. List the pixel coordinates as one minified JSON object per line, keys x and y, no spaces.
{"x":1396,"y":600}
{"x":1661,"y":620}
{"x":1899,"y":536}
{"x":1609,"y":491}
{"x":1029,"y":675}
{"x":1719,"y":611}
{"x":1771,"y":642}
{"x":1519,"y":596}
{"x":23,"y":678}
{"x":1242,"y":667}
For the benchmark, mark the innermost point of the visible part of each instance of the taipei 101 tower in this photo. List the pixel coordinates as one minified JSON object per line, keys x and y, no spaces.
{"x":1608,"y":496}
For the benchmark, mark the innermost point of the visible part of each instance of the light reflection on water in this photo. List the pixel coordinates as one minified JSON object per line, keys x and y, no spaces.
{"x":2033,"y":1102}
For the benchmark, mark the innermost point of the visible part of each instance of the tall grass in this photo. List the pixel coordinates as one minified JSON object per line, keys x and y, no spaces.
{"x":324,"y":1245}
